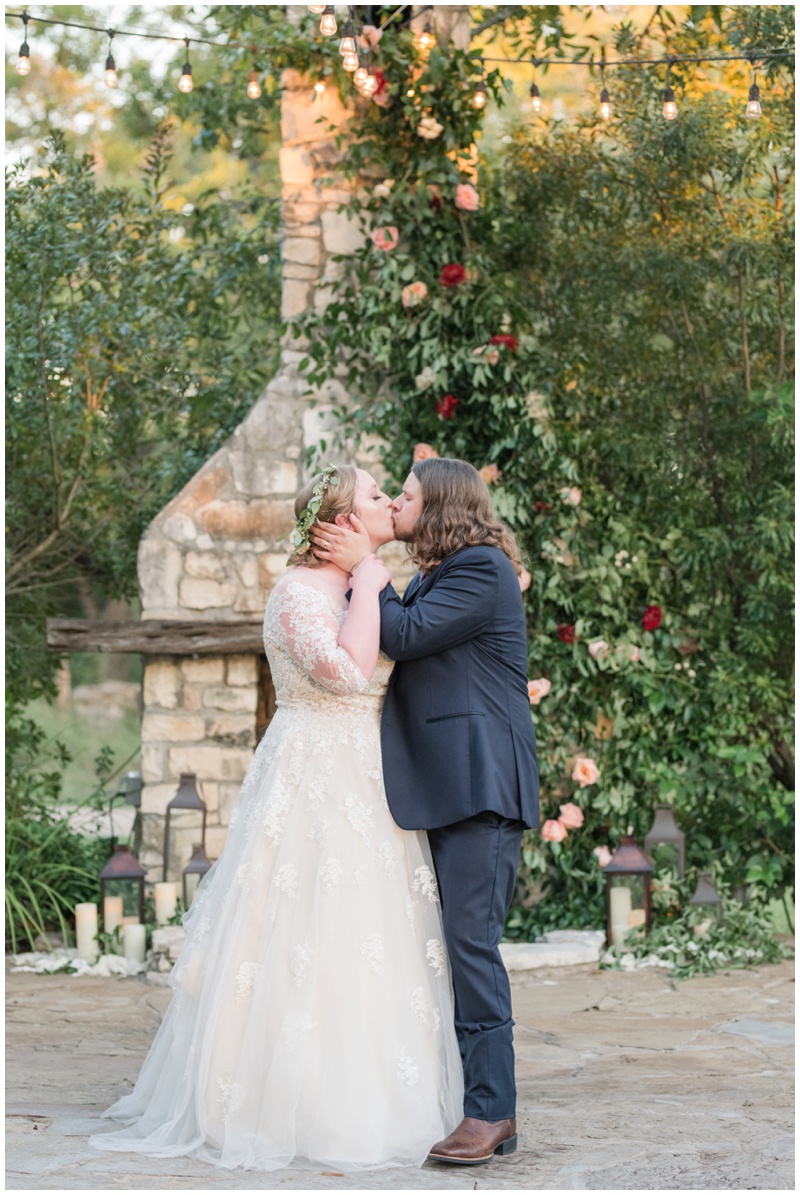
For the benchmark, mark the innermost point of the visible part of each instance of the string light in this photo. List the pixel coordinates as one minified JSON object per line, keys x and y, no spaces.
{"x":424,"y":39}
{"x":347,"y":45}
{"x":111,"y":69}
{"x":327,"y":25}
{"x":319,"y":87}
{"x":670,"y":108}
{"x":350,"y":62}
{"x":186,"y":83}
{"x":753,"y":110}
{"x":479,"y":96}
{"x":606,"y":107}
{"x":368,"y":85}
{"x":24,"y":60}
{"x":253,"y":85}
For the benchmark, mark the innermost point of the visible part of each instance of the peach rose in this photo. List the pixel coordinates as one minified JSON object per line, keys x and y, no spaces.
{"x":629,"y":650}
{"x":490,"y":474}
{"x":524,"y":580}
{"x":571,"y":817}
{"x":414,"y":294}
{"x":553,"y":831}
{"x":537,"y":689}
{"x":602,"y":854}
{"x":598,"y":649}
{"x":466,"y":197}
{"x":424,"y":452}
{"x":585,"y":771}
{"x":370,"y":36}
{"x":385,"y":238}
{"x":487,"y":354}
{"x":570,"y":496}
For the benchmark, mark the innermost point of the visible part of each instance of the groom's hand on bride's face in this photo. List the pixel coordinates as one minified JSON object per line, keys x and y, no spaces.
{"x":343,"y":544}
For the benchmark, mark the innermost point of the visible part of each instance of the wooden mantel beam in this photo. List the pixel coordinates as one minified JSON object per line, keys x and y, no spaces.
{"x":155,"y":637}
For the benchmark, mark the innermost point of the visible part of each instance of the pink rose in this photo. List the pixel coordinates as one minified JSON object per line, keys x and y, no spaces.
{"x":537,"y":689}
{"x":490,"y":474}
{"x":598,"y":648}
{"x":414,"y":293}
{"x":524,"y":580}
{"x":585,"y":771}
{"x":553,"y":831}
{"x":603,"y":855}
{"x":382,"y":99}
{"x":424,"y":452}
{"x":488,"y":355}
{"x":466,"y":197}
{"x":570,"y":496}
{"x":385,"y":238}
{"x":629,"y":650}
{"x":571,"y":817}
{"x":370,"y":36}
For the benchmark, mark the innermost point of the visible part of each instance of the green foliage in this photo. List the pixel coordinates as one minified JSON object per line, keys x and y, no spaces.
{"x":640,"y":420}
{"x":742,"y":936}
{"x":137,"y":338}
{"x":48,"y":867}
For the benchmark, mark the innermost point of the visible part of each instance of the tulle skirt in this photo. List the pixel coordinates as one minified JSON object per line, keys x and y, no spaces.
{"x":312,"y":1014}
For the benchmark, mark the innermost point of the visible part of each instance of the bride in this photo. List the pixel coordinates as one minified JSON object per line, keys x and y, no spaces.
{"x":312,"y":1016}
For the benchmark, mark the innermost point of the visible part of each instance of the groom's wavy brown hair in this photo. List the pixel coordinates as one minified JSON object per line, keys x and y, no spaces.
{"x":457,"y":512}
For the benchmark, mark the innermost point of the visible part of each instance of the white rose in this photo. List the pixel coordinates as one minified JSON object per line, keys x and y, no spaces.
{"x":429,"y":128}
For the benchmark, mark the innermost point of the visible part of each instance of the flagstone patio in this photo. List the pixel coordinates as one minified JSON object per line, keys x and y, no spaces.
{"x":627,"y":1080}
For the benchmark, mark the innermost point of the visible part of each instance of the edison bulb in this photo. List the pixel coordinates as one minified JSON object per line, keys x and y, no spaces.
{"x":670,"y":108}
{"x":24,"y":60}
{"x":350,"y":62}
{"x":317,"y":9}
{"x":479,"y":98}
{"x":753,"y":104}
{"x":360,"y":75}
{"x":253,"y":86}
{"x":327,"y":25}
{"x":319,"y":87}
{"x":606,"y":107}
{"x":185,"y":83}
{"x":347,"y":45}
{"x":370,"y":85}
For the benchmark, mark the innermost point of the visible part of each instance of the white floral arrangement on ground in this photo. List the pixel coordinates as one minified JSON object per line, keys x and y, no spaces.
{"x":66,"y":960}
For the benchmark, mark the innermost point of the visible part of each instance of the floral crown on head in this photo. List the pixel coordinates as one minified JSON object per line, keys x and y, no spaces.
{"x":298,"y":537}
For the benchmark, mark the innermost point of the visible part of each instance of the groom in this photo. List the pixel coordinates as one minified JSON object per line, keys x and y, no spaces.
{"x":459,"y":757}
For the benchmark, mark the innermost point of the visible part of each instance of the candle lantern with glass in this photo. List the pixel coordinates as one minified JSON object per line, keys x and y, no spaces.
{"x":186,"y":800}
{"x":122,"y":890}
{"x":198,"y":866}
{"x":665,"y":843}
{"x":629,"y":877}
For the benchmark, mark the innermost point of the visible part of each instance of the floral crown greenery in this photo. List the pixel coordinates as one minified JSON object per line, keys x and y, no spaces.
{"x":299,"y":536}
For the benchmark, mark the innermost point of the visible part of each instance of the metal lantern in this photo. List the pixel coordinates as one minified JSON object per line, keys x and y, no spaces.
{"x":629,"y":877}
{"x":705,"y":895}
{"x":665,"y":843}
{"x":187,"y":798}
{"x":123,"y":876}
{"x":198,"y":866}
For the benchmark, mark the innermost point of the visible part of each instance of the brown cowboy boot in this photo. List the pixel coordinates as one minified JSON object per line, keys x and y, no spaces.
{"x":476,"y":1141}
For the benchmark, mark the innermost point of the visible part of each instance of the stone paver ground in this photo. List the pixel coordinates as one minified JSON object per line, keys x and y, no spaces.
{"x":626,"y":1081}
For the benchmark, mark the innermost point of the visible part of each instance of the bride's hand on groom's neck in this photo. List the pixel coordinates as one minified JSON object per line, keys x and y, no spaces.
{"x":344,"y":544}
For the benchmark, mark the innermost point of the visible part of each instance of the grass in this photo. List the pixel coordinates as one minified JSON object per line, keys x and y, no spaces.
{"x":84,"y":735}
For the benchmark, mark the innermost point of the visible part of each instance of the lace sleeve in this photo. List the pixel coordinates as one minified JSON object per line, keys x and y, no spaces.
{"x":310,"y":633}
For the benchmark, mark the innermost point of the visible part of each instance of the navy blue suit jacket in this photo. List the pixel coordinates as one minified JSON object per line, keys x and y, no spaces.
{"x":456,"y":730}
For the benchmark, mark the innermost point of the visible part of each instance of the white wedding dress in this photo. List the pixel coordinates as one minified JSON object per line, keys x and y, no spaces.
{"x":312,"y":1015}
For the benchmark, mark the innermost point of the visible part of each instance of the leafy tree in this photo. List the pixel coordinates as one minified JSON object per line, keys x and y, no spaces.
{"x":136,"y":340}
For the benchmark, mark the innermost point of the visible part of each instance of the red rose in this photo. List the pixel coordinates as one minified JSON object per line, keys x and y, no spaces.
{"x":436,"y":203}
{"x":540,"y":506}
{"x":508,"y":341}
{"x":380,"y":79}
{"x":566,"y":632}
{"x":446,"y":407}
{"x":452,"y":275}
{"x":651,"y":618}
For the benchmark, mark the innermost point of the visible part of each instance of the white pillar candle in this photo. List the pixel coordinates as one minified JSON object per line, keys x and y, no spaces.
{"x":620,"y":910}
{"x":135,"y":940}
{"x":112,"y":913}
{"x":86,"y":931}
{"x":166,"y":902}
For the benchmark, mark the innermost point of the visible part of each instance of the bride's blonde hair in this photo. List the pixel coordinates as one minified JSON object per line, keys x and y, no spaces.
{"x":336,"y":500}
